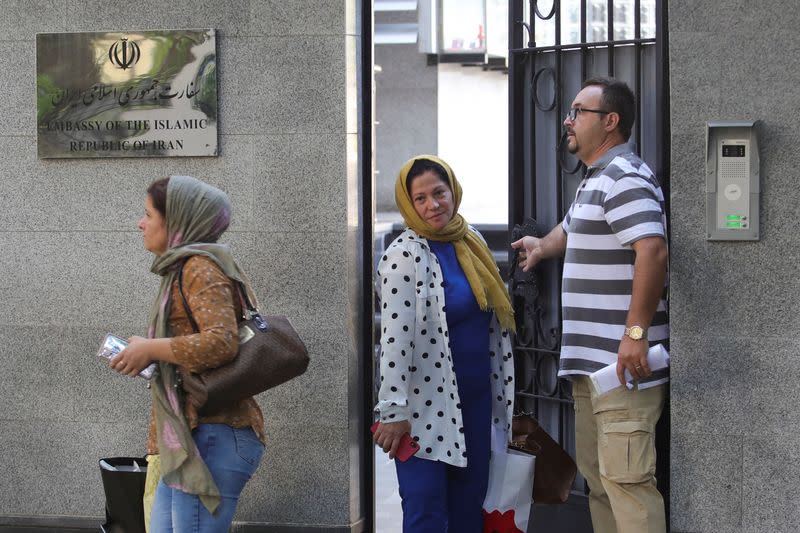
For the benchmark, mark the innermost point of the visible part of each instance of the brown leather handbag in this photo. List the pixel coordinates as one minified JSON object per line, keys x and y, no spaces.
{"x":270,"y":353}
{"x":555,"y":469}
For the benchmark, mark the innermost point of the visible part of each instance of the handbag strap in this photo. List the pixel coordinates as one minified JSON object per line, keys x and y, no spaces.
{"x":186,"y":308}
{"x":244,"y":298}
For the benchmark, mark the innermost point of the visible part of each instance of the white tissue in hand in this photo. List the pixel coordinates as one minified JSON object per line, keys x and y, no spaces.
{"x":606,"y":379}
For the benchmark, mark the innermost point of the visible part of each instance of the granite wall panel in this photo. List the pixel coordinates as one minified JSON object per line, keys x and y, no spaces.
{"x":733,"y":304}
{"x":109,"y":194}
{"x":72,"y":265}
{"x":18,"y":105}
{"x":283,"y":85}
{"x":52,"y":468}
{"x":735,"y":385}
{"x":720,"y":16}
{"x":17,"y":24}
{"x":299,"y":183}
{"x":770,"y":472}
{"x":302,"y":274}
{"x":300,"y":480}
{"x":230,"y":17}
{"x":706,"y":481}
{"x":301,"y":18}
{"x":68,"y":278}
{"x":34,"y":195}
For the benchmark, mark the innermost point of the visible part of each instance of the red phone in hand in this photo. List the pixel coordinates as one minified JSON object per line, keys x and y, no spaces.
{"x":407,"y":448}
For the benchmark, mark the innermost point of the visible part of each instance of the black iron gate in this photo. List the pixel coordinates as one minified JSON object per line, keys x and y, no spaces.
{"x":598,"y":38}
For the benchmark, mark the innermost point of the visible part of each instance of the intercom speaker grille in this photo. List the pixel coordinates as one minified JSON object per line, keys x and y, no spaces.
{"x":731,"y":170}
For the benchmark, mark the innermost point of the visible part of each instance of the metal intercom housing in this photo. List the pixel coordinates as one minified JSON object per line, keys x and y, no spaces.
{"x":733,"y":180}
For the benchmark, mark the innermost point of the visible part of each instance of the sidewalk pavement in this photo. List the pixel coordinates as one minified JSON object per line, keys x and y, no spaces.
{"x":388,"y":513}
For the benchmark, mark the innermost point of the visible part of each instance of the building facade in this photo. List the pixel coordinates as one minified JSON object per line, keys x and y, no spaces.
{"x":293,"y":140}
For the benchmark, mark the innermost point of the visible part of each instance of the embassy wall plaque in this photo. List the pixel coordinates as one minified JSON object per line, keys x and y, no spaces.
{"x":126,"y":94}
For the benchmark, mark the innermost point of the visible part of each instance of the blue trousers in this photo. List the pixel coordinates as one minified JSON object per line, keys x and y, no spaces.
{"x":232,"y":456}
{"x":441,"y":498}
{"x":437,"y":497}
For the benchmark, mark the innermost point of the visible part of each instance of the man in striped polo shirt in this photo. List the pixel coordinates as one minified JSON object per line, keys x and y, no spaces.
{"x":613,"y":240}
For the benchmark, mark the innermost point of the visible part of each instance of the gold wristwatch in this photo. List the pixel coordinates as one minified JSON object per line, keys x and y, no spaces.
{"x":636,"y":332}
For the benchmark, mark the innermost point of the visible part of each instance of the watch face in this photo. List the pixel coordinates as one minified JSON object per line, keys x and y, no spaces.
{"x":636,"y":333}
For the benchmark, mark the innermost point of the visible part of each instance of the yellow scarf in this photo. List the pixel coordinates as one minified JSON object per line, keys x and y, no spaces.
{"x":473,"y":255}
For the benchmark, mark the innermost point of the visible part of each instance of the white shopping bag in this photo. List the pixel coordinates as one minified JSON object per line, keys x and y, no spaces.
{"x":507,"y":506}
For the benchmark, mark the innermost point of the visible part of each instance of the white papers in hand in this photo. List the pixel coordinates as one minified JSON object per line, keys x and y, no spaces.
{"x":606,"y":379}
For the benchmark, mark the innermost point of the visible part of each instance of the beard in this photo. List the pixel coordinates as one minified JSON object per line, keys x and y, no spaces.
{"x":572,"y":144}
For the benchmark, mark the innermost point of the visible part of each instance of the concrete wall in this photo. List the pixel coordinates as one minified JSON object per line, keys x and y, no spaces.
{"x":735,"y":305}
{"x":457,"y":112}
{"x":72,"y":266}
{"x":406,"y":112}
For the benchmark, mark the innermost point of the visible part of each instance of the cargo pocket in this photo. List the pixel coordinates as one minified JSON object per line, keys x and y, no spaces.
{"x":627,"y":451}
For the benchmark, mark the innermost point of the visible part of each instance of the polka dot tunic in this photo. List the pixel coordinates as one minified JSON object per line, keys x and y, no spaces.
{"x":418,"y":382}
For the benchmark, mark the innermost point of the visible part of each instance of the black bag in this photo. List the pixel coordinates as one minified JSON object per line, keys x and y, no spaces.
{"x":124,"y":490}
{"x":270,"y":353}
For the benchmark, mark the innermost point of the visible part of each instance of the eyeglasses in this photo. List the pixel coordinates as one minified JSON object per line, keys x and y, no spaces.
{"x":572,"y":114}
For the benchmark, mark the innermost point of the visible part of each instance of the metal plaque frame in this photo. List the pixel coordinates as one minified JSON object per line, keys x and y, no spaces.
{"x":126,"y":94}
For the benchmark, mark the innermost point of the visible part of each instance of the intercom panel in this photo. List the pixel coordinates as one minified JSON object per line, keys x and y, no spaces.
{"x":732,"y":181}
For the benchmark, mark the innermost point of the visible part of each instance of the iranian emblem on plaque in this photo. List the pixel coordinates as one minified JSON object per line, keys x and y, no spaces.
{"x":124,"y":54}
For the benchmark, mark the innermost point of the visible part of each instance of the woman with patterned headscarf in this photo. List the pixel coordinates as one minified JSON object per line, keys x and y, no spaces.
{"x":446,"y":365}
{"x":205,"y":459}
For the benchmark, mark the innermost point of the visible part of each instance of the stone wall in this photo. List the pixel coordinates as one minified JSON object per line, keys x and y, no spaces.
{"x":72,"y":266}
{"x":406,"y":110}
{"x":734,"y":305}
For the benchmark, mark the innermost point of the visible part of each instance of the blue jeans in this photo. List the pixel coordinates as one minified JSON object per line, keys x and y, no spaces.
{"x":232,"y":456}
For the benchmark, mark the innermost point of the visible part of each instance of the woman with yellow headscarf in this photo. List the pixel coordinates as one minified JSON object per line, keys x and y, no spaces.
{"x":446,"y":364}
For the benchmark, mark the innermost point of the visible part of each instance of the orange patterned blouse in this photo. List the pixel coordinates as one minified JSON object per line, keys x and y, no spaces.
{"x":209,"y":294}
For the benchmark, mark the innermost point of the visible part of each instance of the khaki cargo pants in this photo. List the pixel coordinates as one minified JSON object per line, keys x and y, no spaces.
{"x":615,"y":449}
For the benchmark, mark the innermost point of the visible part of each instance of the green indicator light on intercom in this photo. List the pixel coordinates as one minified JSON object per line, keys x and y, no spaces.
{"x":733,"y":224}
{"x":733,"y":217}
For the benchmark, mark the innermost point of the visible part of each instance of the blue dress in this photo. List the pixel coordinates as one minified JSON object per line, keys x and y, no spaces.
{"x":438,"y":497}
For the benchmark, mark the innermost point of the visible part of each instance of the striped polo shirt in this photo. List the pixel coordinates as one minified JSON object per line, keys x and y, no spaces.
{"x":618,"y":202}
